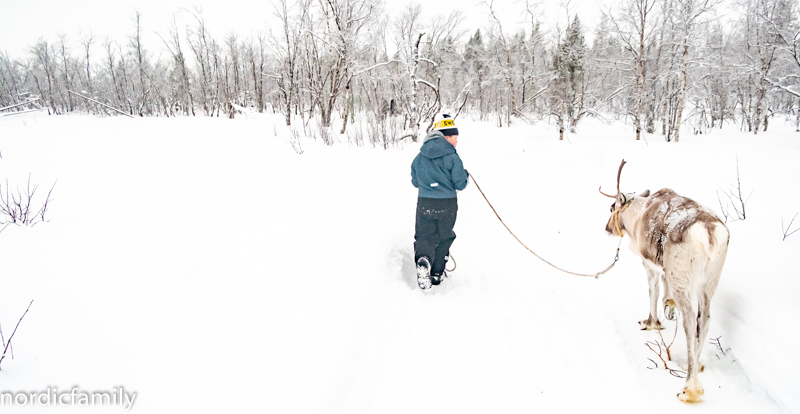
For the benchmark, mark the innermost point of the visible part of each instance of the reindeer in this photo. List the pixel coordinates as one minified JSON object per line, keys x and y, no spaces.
{"x":685,"y":244}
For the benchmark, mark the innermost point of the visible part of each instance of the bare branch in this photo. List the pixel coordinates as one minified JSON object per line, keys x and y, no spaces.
{"x":649,"y":343}
{"x":100,"y":103}
{"x":377,"y":65}
{"x":424,"y":82}
{"x":735,"y":198}
{"x":8,"y":344}
{"x":428,"y":60}
{"x":786,"y":231}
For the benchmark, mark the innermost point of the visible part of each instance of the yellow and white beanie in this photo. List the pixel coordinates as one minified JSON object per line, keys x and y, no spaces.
{"x":446,"y":125}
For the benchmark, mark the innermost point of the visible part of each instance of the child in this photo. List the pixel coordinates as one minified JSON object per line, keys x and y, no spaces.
{"x":438,"y":173}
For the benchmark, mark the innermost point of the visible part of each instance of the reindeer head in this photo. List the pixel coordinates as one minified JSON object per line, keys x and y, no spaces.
{"x":621,"y":202}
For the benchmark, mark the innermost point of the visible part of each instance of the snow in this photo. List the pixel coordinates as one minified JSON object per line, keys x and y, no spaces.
{"x":677,"y":217}
{"x":207,"y":266}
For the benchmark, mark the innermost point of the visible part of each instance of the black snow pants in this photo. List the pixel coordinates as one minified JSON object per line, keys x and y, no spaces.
{"x":434,"y":230}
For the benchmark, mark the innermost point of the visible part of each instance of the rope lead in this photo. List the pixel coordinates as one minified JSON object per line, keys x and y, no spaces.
{"x":595,"y":275}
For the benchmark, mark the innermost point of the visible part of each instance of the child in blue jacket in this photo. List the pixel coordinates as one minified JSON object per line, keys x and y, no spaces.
{"x":437,"y":171}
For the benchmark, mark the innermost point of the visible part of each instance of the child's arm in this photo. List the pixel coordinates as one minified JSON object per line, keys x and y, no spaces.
{"x":458,"y":174}
{"x":414,"y":174}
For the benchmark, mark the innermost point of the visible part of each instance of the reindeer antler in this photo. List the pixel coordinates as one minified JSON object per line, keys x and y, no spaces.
{"x":600,"y":189}
{"x":619,"y":174}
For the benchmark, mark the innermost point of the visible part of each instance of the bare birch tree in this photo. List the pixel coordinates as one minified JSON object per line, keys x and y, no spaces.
{"x":506,"y":68}
{"x":287,"y":50}
{"x":688,"y":33}
{"x":634,"y":23}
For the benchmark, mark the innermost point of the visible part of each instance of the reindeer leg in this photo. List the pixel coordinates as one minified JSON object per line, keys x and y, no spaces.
{"x":693,"y":389}
{"x":712,"y":271}
{"x":669,"y":303}
{"x":652,"y":320}
{"x":703,"y":317}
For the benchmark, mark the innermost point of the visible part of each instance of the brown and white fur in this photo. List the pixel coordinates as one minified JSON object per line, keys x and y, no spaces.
{"x":686,"y":245}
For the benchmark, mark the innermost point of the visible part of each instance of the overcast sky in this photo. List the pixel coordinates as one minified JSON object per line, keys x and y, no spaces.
{"x":23,"y":22}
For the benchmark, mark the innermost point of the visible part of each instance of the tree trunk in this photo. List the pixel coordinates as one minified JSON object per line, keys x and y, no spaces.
{"x":347,"y":103}
{"x":640,"y":80}
{"x":414,"y":118}
{"x":70,"y":105}
{"x":682,"y":92}
{"x":797,"y":119}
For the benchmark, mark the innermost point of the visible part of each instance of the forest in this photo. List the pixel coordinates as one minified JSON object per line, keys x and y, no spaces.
{"x":660,"y":66}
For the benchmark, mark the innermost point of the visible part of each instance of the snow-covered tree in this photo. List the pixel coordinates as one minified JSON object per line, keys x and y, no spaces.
{"x":568,"y":99}
{"x":634,"y":23}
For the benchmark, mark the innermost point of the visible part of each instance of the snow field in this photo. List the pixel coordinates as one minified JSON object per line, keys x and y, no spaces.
{"x":205,"y":265}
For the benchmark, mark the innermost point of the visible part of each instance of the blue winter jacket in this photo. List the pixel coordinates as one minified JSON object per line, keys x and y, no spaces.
{"x":437,"y":170}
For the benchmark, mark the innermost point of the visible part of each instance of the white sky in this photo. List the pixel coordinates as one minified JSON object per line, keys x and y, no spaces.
{"x":23,"y":22}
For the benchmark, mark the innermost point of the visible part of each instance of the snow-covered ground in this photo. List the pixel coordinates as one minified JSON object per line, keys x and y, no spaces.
{"x":205,"y":265}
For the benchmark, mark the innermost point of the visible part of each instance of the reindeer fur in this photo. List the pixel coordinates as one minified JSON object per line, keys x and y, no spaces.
{"x":686,"y":245}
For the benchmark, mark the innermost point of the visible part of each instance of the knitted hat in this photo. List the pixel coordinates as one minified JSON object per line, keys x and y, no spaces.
{"x":446,"y":125}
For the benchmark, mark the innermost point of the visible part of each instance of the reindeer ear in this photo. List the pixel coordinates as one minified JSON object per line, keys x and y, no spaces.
{"x":645,"y":193}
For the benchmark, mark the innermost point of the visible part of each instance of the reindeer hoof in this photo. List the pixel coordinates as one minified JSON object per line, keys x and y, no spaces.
{"x":650,"y":325}
{"x":669,"y":309}
{"x":691,"y":396}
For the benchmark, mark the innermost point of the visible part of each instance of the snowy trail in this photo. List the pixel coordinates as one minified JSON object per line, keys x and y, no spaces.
{"x":207,"y":266}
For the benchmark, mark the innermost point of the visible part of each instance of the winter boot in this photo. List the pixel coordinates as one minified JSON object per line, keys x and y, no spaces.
{"x":424,"y":273}
{"x":437,"y":278}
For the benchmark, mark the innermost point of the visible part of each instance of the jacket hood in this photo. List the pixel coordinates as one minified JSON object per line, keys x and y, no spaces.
{"x":435,"y":146}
